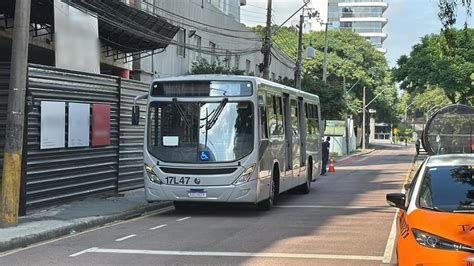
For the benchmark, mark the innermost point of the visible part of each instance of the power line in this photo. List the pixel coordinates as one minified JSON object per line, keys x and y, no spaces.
{"x":142,"y":31}
{"x":198,"y":22}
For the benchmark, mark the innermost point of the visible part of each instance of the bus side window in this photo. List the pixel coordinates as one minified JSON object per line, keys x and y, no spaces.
{"x":272,"y":114}
{"x":262,"y":109}
{"x":280,"y":121}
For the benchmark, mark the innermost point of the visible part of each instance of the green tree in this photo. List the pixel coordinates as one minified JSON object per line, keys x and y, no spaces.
{"x":352,"y":57}
{"x":202,"y":66}
{"x":434,"y":63}
{"x":448,"y":11}
{"x":349,"y":56}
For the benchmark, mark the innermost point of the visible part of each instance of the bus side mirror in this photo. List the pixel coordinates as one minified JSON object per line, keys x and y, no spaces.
{"x":135,"y":115}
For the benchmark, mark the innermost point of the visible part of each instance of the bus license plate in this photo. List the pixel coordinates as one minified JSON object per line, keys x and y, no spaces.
{"x":197,"y":194}
{"x":173,"y":180}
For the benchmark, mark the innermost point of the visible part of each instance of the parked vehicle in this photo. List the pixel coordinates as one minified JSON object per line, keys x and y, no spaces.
{"x":436,"y":214}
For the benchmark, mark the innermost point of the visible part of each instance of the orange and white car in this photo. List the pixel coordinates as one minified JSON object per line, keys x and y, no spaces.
{"x":436,"y":214}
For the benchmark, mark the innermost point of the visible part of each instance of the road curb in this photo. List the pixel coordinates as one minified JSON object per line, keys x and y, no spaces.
{"x":365,"y":152}
{"x":346,"y":157}
{"x":409,"y":171}
{"x":79,"y":226}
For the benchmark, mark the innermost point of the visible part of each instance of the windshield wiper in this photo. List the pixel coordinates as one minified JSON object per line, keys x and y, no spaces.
{"x":181,"y":112}
{"x":212,"y":121}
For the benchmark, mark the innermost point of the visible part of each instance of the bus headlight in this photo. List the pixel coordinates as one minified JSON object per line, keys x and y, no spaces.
{"x":245,"y":177}
{"x":151,"y":174}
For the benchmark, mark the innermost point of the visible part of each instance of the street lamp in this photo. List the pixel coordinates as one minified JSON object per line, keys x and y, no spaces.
{"x":364,"y":106}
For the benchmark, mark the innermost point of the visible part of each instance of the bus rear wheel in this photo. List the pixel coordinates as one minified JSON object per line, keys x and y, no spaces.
{"x":306,"y":187}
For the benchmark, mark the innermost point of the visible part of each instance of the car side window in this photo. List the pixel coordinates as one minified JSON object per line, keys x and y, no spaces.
{"x":411,"y":188}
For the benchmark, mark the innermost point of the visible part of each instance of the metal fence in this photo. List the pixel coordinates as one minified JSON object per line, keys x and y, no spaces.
{"x":53,"y":176}
{"x":131,"y":137}
{"x":450,"y":130}
{"x":4,"y":81}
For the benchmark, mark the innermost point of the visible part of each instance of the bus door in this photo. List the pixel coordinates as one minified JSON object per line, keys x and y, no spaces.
{"x":295,"y":138}
{"x":288,"y":135}
{"x":302,"y":127}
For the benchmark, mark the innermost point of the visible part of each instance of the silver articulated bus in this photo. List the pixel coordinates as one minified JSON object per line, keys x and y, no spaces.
{"x":217,"y":138}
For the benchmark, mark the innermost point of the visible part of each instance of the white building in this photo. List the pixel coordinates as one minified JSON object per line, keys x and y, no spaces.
{"x":364,"y":17}
{"x":210,"y":29}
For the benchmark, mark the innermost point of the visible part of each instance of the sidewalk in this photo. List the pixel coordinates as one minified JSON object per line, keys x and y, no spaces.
{"x":355,"y":153}
{"x":53,"y":222}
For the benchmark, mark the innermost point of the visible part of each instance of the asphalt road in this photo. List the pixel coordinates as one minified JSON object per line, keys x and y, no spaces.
{"x":343,"y":221}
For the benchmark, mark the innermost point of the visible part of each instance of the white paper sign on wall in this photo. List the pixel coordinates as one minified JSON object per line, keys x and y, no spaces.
{"x":78,"y":125}
{"x":53,"y":123}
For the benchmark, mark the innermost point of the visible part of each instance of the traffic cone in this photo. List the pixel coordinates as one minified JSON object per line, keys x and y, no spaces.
{"x":331,"y":166}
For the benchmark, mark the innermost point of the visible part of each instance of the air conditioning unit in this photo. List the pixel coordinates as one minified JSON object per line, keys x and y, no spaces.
{"x":243,"y":2}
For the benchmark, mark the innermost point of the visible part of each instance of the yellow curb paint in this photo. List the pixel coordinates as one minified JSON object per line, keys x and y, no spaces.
{"x":409,"y":170}
{"x":10,"y":189}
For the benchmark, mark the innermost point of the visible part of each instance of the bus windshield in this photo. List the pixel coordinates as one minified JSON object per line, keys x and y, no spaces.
{"x":199,"y":132}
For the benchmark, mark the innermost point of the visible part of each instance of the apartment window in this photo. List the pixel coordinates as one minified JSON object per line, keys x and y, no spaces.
{"x":198,"y":45}
{"x":182,"y":43}
{"x":237,"y":62}
{"x":213,"y":52}
{"x":247,"y":66}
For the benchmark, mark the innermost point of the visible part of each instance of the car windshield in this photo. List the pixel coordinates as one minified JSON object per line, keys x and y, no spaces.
{"x":196,"y":132}
{"x":448,"y":188}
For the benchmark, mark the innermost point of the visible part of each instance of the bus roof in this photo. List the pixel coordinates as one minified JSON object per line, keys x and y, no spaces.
{"x":219,"y":77}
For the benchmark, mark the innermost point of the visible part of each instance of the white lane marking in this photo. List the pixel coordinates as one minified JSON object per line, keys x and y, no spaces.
{"x":182,"y":219}
{"x":8,"y":253}
{"x":82,"y":252}
{"x":156,"y":227}
{"x":125,"y":237}
{"x":332,"y":207}
{"x":233,"y":254}
{"x":387,"y":256}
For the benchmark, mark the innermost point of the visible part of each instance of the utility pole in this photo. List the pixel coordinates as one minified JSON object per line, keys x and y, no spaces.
{"x":325,"y":59}
{"x":299,"y":67}
{"x":363,"y":119}
{"x":267,"y":44}
{"x":345,"y":114}
{"x":15,"y":116}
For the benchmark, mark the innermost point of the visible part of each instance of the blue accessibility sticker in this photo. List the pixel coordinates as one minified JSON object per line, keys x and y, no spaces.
{"x":204,"y":156}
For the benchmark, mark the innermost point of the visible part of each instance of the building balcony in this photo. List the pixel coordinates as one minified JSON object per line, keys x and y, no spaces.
{"x":382,"y":35}
{"x":364,"y":19}
{"x":383,"y":5}
{"x":382,"y":50}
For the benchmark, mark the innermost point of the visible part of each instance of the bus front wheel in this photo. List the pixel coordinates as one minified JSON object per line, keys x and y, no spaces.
{"x":267,"y":204}
{"x":181,"y":205}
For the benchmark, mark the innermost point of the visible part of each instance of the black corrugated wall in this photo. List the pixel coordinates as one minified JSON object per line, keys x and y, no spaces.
{"x":131,"y":137}
{"x":54,"y":176}
{"x":4,"y":81}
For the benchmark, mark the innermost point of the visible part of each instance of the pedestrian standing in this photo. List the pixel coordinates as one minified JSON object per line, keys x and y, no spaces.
{"x":417,"y":145}
{"x":325,"y":155}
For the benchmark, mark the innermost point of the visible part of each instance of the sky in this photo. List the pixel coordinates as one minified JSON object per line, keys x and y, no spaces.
{"x":408,"y":21}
